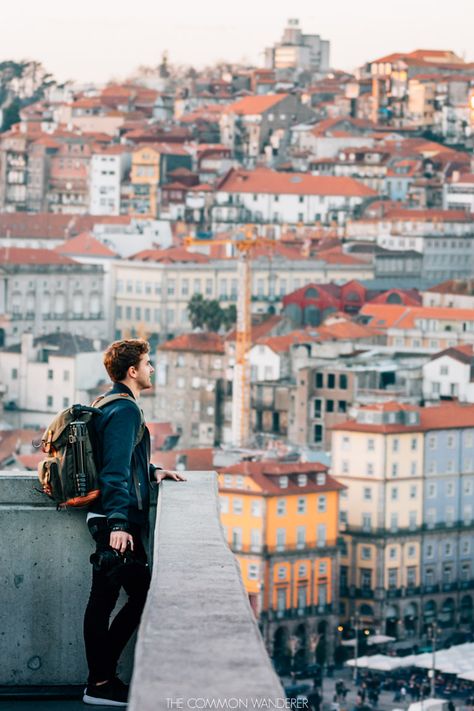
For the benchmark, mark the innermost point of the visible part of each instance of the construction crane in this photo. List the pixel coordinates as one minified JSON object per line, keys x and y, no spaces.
{"x":244,"y":241}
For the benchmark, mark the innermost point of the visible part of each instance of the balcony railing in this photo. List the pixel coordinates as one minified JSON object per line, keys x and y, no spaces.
{"x":291,"y":613}
{"x":285,"y":548}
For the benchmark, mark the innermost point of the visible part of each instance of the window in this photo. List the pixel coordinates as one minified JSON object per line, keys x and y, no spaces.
{"x":302,"y":479}
{"x":413,"y":491}
{"x":281,"y":538}
{"x":346,"y":443}
{"x":367,"y":493}
{"x":393,"y":522}
{"x":237,"y":538}
{"x":451,"y":441}
{"x":394,"y":493}
{"x":50,"y":374}
{"x":317,"y":407}
{"x":321,"y":504}
{"x":283,"y":481}
{"x":281,"y":507}
{"x":331,"y":381}
{"x":253,"y":571}
{"x":431,"y":490}
{"x":366,"y":578}
{"x":300,"y":536}
{"x":392,"y":552}
{"x":329,"y":405}
{"x":450,"y":488}
{"x":345,"y":466}
{"x":371,"y":444}
{"x":65,"y":402}
{"x":255,"y":508}
{"x":414,"y":444}
{"x":224,"y":504}
{"x":343,"y":382}
{"x":395,"y":444}
{"x":370,"y":468}
{"x":318,"y":434}
{"x":413,"y":469}
{"x":366,"y":553}
{"x":411,"y":552}
{"x":411,"y":577}
{"x":301,"y":505}
{"x":14,"y":374}
{"x":412,"y":520}
{"x":392,"y":578}
{"x":237,"y":506}
{"x":255,"y":539}
{"x":395,"y":469}
{"x":432,"y":441}
{"x":367,"y":521}
{"x":342,"y":406}
{"x":302,"y":570}
{"x":319,"y":380}
{"x":49,"y":401}
{"x":239,"y":479}
{"x":321,"y":534}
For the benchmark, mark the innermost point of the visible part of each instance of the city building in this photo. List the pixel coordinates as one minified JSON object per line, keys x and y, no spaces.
{"x":189,"y":387}
{"x":449,"y":375}
{"x":266,"y":196}
{"x":407,"y":516}
{"x":281,"y":520}
{"x":299,"y":52}
{"x":108,"y":168}
{"x":42,"y":291}
{"x":46,"y":374}
{"x":458,"y":192}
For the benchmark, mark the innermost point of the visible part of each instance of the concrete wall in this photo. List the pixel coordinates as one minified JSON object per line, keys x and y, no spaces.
{"x":44,"y":586}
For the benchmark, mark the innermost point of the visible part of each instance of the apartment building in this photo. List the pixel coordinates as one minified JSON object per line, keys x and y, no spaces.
{"x":45,"y":374}
{"x":267,"y":196}
{"x":408,"y":530}
{"x":449,"y":375}
{"x":189,"y":387}
{"x":423,"y":327}
{"x":42,"y":291}
{"x":108,"y":168}
{"x":281,"y":520}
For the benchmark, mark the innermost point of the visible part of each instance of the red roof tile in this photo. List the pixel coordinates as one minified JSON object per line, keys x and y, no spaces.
{"x":21,"y":255}
{"x":170,"y":255}
{"x":205,"y":342}
{"x":449,"y":415}
{"x":85,"y":245}
{"x":264,"y":180}
{"x":266,"y":474}
{"x":251,"y":105}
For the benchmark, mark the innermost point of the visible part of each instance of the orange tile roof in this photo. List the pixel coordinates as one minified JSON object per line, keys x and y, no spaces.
{"x":335,"y":255}
{"x":85,"y":245}
{"x":251,"y":105}
{"x":449,"y":415}
{"x":266,"y":181}
{"x":23,"y":255}
{"x":346,"y":331}
{"x":282,"y":344}
{"x":454,"y":286}
{"x":266,"y":474}
{"x":259,"y":330}
{"x":170,"y":255}
{"x":201,"y":459}
{"x":428,"y":215}
{"x":386,"y":316}
{"x":205,"y":342}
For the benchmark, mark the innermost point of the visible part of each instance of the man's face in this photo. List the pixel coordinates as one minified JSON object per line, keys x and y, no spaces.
{"x":143,"y":372}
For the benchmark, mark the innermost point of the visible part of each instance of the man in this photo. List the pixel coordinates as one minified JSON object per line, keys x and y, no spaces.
{"x":118,"y":520}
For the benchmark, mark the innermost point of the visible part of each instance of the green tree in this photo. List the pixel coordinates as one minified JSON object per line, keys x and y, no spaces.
{"x":197,"y":311}
{"x":208,"y":313}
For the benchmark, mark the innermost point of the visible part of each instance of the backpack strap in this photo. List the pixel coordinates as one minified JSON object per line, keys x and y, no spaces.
{"x":103,"y":400}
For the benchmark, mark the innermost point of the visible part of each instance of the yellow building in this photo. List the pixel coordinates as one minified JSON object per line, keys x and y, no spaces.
{"x":281,"y":520}
{"x":145,"y":179}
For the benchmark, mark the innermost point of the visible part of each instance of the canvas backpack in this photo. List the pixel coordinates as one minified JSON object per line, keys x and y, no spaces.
{"x":69,"y":475}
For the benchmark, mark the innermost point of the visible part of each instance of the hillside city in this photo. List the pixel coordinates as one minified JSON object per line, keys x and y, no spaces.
{"x":333,"y":211}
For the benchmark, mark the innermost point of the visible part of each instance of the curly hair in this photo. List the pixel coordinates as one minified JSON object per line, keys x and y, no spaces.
{"x":121,"y":355}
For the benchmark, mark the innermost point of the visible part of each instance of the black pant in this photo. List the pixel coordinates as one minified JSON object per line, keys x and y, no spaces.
{"x":105,"y":642}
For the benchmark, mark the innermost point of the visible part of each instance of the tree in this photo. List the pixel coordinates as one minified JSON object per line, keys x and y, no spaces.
{"x":208,"y":313}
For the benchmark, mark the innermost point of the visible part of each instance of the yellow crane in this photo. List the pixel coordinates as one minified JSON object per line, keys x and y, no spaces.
{"x":244,"y":241}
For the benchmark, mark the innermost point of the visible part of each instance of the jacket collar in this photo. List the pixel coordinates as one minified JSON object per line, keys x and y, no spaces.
{"x":121,"y":388}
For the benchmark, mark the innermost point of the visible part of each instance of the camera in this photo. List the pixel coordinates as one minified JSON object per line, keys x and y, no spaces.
{"x":108,"y":559}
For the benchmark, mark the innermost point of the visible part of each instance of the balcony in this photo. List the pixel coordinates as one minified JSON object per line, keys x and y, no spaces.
{"x":260,"y":549}
{"x":197,"y":638}
{"x":292,"y":613}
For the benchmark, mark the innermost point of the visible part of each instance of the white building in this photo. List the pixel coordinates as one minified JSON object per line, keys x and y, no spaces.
{"x":458,"y":192}
{"x":46,"y":374}
{"x":108,"y":168}
{"x":450,"y":375}
{"x":268,"y":196}
{"x":299,"y":51}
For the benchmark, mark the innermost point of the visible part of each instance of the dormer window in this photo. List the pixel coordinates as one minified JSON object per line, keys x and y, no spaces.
{"x":321,"y":479}
{"x":283,"y":481}
{"x":302,"y":479}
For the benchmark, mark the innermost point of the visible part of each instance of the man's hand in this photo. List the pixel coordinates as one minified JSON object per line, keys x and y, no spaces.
{"x":161,"y":474}
{"x":120,"y":540}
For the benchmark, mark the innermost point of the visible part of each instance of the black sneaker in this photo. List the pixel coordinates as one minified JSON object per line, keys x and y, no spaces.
{"x":113,"y":693}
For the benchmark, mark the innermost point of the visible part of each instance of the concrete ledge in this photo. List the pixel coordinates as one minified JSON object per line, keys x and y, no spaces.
{"x":198,"y":643}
